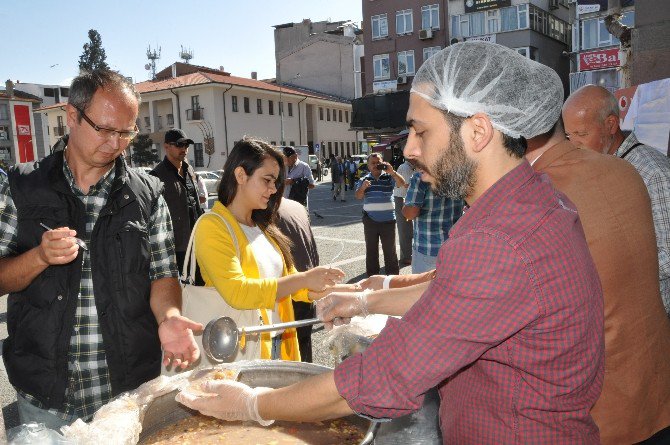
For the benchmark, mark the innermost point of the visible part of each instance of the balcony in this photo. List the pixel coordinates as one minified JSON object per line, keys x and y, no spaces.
{"x":195,"y":114}
{"x":59,"y":131}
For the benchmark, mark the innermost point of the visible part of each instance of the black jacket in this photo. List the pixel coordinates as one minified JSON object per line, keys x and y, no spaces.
{"x":40,"y":318}
{"x":181,"y":196}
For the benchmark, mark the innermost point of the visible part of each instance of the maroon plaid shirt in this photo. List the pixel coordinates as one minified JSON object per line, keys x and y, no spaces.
{"x":510,"y":330}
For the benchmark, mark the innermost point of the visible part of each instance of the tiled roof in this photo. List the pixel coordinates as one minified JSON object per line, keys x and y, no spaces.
{"x":49,"y":107}
{"x":20,"y":95}
{"x":201,"y":78}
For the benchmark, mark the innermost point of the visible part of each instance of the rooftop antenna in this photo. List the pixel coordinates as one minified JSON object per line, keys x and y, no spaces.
{"x":185,"y":54}
{"x":152,"y":56}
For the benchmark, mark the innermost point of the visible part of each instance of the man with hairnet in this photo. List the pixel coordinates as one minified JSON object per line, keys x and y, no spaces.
{"x":510,"y":330}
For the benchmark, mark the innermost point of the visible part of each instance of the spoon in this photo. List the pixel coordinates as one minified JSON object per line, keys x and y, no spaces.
{"x":221,"y":337}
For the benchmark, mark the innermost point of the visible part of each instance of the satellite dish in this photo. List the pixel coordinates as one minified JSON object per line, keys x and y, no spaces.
{"x":147,"y":67}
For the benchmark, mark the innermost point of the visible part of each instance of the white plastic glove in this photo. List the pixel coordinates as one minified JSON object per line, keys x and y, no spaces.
{"x":226,"y":400}
{"x":338,"y":307}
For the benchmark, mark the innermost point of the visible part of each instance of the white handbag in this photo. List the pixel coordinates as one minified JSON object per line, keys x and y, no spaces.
{"x":203,"y":304}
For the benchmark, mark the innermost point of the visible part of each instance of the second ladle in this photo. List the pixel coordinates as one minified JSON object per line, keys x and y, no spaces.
{"x":221,"y":336}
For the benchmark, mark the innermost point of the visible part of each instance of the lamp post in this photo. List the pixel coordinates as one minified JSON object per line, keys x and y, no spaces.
{"x":281,"y":109}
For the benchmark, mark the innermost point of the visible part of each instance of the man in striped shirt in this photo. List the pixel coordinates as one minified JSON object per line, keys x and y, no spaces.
{"x":376,"y":191}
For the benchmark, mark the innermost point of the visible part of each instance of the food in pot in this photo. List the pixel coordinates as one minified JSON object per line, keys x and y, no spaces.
{"x":205,"y":430}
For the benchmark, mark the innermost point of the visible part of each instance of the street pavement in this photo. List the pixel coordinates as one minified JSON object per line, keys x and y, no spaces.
{"x":338,"y":231}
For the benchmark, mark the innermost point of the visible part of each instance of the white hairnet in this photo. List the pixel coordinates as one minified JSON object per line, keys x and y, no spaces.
{"x":520,"y":96}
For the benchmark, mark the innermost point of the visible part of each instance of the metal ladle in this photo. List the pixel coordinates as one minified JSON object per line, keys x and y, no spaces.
{"x":221,"y":337}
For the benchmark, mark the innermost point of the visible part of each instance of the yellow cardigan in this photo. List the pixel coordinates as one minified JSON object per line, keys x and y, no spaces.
{"x":238,"y":279}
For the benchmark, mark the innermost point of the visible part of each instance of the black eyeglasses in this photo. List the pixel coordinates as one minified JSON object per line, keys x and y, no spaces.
{"x":179,"y":144}
{"x":108,"y":133}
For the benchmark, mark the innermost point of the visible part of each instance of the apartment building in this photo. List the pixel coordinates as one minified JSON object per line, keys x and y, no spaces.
{"x":596,"y":56}
{"x":54,"y":123}
{"x":217,"y":109}
{"x":17,"y":126}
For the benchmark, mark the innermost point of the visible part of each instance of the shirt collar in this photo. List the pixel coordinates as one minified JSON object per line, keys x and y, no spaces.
{"x":626,"y":144}
{"x":103,"y":184}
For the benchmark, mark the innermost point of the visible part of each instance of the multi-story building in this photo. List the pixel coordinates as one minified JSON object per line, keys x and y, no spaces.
{"x":54,"y":121}
{"x":400,"y":35}
{"x":216,"y":109}
{"x":596,"y":56}
{"x":17,"y":126}
{"x":49,"y":95}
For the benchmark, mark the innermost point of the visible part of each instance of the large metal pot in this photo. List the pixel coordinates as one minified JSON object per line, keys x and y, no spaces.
{"x":164,"y":410}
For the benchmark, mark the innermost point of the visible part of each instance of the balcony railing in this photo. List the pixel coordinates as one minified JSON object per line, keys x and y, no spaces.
{"x":59,"y":131}
{"x":195,"y":114}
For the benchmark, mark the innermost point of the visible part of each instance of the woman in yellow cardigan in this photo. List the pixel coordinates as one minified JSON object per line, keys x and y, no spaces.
{"x":262,"y":276}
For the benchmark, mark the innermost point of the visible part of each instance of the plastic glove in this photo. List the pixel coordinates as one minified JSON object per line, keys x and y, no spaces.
{"x":375,"y":282}
{"x":226,"y":400}
{"x":338,"y":307}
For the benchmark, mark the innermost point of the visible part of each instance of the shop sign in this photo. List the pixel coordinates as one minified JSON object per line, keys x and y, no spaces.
{"x":491,"y":38}
{"x":384,"y":86}
{"x":482,"y":5}
{"x":596,"y":60}
{"x":588,"y":6}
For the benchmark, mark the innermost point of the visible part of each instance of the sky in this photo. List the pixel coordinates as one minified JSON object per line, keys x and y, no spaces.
{"x":43,"y":39}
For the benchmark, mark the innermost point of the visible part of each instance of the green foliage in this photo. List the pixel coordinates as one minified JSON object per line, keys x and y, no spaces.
{"x":94,"y":54}
{"x":143,"y":151}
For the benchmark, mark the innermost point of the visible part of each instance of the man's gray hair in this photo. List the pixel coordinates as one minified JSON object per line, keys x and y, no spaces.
{"x":85,"y":85}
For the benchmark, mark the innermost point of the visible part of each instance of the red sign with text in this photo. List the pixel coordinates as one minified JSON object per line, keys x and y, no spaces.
{"x":596,"y":60}
{"x":23,"y":133}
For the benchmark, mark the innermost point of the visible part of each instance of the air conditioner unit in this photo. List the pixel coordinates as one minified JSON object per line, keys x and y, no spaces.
{"x":426,"y":34}
{"x":553,"y":4}
{"x":402,"y":80}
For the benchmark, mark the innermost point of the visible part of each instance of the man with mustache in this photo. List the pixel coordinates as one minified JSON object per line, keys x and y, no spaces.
{"x":510,"y":328}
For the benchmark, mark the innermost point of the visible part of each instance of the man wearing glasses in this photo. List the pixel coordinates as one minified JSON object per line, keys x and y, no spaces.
{"x":181,"y":189}
{"x":87,"y":321}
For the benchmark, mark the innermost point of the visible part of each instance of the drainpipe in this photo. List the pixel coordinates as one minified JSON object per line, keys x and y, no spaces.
{"x":178,"y":108}
{"x":300,"y":121}
{"x":225,"y":120}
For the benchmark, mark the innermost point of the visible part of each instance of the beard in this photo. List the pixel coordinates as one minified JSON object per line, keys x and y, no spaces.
{"x":454,"y":172}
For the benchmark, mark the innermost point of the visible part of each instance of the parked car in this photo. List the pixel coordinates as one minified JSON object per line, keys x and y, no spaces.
{"x":210,"y":179}
{"x":312,"y":161}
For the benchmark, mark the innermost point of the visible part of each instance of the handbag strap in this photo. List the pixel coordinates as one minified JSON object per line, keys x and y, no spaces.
{"x":623,"y":156}
{"x":188,"y":270}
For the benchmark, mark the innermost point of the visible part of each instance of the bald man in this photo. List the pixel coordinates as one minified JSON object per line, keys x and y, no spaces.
{"x":591,"y":118}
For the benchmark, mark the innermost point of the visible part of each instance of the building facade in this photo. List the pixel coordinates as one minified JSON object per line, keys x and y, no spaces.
{"x":54,"y":123}
{"x":216,"y":109}
{"x":17,"y":127}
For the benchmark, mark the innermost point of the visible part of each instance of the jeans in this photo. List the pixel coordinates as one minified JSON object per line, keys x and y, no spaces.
{"x":276,"y":348}
{"x":421,"y":262}
{"x":384,"y":232}
{"x":30,"y":413}
{"x":405,"y":229}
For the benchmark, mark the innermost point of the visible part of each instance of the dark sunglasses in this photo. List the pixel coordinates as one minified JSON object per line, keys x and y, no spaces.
{"x":179,"y":144}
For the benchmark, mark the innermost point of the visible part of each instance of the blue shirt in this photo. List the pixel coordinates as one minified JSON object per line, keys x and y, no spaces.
{"x":378,"y":198}
{"x":437,"y":215}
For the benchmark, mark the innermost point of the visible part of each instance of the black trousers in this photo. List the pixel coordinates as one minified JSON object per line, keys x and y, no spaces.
{"x":374,"y":232}
{"x":304,"y":311}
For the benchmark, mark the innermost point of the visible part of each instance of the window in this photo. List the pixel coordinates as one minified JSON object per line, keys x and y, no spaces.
{"x":64,"y":92}
{"x":147,"y":122}
{"x":281,"y":108}
{"x":493,"y":21}
{"x":4,"y":133}
{"x":4,"y":113}
{"x":49,"y":92}
{"x":273,"y":142}
{"x":234,"y":99}
{"x":195,"y":102}
{"x":271,"y":107}
{"x":170,"y":119}
{"x":292,"y":143}
{"x":199,"y":156}
{"x":430,"y":52}
{"x":430,"y":17}
{"x":328,"y":114}
{"x":380,"y":27}
{"x":320,"y":113}
{"x":595,"y":34}
{"x":290,"y":110}
{"x":339,"y":115}
{"x":259,"y":106}
{"x":330,"y":147}
{"x":406,"y":62}
{"x":403,"y":22}
{"x":346,"y":116}
{"x":527,"y":51}
{"x":380,"y":63}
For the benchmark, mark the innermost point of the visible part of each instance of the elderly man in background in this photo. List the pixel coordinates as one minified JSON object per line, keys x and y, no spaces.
{"x":591,"y":118}
{"x":299,"y":180}
{"x":510,"y":328}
